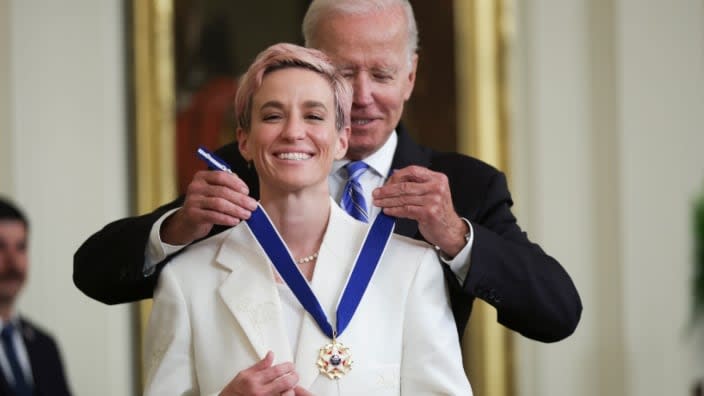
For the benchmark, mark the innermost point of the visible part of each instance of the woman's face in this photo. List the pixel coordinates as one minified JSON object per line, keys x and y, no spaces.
{"x":293,"y":140}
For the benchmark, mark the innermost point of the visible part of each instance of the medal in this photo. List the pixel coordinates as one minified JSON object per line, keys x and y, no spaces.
{"x":334,"y":359}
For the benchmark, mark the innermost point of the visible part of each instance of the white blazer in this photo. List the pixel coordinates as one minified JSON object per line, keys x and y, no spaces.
{"x":217,"y":311}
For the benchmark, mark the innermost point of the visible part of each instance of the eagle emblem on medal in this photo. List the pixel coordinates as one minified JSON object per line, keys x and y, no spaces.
{"x":334,"y":360}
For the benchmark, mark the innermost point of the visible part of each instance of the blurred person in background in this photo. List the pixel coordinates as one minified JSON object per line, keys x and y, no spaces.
{"x":29,"y":357}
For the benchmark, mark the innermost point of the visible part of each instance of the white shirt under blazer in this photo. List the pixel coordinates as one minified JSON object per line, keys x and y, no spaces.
{"x":217,"y":311}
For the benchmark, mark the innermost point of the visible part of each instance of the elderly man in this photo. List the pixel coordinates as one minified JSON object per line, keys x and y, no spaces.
{"x":457,"y":203}
{"x":29,"y":358}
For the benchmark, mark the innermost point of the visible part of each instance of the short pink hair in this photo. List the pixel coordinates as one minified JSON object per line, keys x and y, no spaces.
{"x":282,"y":56}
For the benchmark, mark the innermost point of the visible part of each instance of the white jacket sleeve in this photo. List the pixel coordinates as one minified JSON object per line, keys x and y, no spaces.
{"x":432,"y":359}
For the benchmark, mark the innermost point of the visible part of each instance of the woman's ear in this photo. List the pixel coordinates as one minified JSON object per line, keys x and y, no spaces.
{"x":343,"y":139}
{"x":242,"y":143}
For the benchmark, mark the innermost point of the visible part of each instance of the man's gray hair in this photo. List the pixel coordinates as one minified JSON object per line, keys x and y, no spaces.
{"x":320,"y":9}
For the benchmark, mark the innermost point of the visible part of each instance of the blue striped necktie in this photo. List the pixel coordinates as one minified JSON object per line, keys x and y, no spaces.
{"x":21,"y":387}
{"x":352,"y":196}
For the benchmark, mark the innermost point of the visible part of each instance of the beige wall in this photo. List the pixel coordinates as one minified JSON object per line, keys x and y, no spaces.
{"x":607,"y":157}
{"x":64,"y":114}
{"x":5,"y":143}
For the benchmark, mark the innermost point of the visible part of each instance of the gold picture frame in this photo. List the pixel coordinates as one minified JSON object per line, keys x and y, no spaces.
{"x":483,"y":36}
{"x":153,"y":104}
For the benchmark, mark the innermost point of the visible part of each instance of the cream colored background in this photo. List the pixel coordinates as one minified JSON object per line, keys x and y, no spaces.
{"x":64,"y":159}
{"x":607,"y":150}
{"x":606,"y":156}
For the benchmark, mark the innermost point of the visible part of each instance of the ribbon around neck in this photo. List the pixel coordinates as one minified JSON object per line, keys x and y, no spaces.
{"x":367,"y":259}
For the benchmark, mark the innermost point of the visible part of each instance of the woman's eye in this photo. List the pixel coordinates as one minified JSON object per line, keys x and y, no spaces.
{"x":271,"y":117}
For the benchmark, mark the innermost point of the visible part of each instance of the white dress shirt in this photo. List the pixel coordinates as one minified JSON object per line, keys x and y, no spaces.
{"x":375,"y":176}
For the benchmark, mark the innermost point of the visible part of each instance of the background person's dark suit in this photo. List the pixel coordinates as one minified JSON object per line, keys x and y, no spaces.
{"x":45,"y":360}
{"x":530,"y":290}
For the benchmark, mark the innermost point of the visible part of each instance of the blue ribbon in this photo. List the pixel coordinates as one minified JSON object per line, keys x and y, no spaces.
{"x":367,"y":260}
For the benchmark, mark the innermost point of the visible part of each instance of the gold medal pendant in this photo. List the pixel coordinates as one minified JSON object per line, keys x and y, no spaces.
{"x":334,"y":360}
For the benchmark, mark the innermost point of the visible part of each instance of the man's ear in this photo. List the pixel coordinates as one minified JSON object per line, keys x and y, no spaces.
{"x":411,"y":77}
{"x":242,"y":143}
{"x":343,"y":140}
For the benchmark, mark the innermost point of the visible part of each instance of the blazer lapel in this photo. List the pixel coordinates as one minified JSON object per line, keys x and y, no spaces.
{"x":338,"y":250}
{"x":33,"y":354}
{"x":4,"y":386}
{"x":250,"y":294}
{"x":408,"y":153}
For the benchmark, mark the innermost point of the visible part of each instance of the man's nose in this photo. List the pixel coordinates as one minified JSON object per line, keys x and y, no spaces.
{"x":362,"y":90}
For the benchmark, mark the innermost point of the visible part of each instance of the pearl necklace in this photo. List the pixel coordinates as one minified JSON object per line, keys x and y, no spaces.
{"x":307,"y":259}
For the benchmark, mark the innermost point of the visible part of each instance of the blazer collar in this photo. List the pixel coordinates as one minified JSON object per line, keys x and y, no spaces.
{"x":249,"y":292}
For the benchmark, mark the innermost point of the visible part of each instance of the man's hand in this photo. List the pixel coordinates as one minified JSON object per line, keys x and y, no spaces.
{"x":212,"y":198}
{"x":420,"y":194}
{"x":264,"y":379}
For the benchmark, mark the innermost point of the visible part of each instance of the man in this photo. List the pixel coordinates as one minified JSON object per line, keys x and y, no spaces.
{"x":457,"y":203}
{"x":30,"y":360}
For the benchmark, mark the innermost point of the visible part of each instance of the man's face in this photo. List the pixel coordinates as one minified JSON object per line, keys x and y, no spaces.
{"x":372,"y":53}
{"x":13,"y":259}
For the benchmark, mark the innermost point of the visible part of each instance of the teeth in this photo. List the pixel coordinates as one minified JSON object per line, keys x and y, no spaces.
{"x":294,"y":156}
{"x":361,"y":122}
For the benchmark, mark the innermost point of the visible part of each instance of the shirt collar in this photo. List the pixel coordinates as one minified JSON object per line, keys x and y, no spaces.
{"x":379,"y":161}
{"x":14,"y":319}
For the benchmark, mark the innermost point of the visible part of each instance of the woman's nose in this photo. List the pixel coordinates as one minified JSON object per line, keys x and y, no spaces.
{"x":294,"y":128}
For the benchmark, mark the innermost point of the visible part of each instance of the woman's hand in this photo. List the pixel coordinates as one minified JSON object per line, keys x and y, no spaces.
{"x":263,"y":379}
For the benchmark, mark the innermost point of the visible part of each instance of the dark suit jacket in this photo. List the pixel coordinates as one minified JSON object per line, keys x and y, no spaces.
{"x":530,"y":290}
{"x":45,"y":360}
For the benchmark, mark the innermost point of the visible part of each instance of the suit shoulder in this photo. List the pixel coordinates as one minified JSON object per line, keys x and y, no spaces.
{"x":33,"y":332}
{"x":474,"y":183}
{"x":447,"y":162}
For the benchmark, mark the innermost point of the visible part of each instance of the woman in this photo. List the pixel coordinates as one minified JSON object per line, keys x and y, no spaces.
{"x":230,"y":306}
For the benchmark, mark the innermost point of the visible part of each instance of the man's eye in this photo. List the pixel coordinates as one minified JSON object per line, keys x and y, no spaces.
{"x":315,"y":117}
{"x":383,"y":77}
